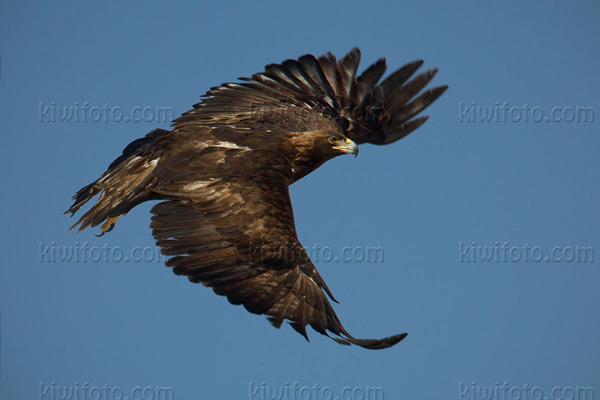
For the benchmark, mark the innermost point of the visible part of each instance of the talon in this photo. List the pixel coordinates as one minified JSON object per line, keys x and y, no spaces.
{"x":109,"y":225}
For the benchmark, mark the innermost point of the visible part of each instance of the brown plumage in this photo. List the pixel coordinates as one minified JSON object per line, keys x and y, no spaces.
{"x":224,"y":170}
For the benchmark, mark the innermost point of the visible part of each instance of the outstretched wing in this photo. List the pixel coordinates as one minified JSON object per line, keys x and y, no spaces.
{"x":312,"y":88}
{"x":237,"y":235}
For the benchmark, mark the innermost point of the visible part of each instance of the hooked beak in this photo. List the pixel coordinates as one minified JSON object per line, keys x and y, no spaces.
{"x":349,"y":147}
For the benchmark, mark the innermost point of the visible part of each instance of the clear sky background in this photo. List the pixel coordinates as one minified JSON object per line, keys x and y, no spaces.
{"x":454,"y":182}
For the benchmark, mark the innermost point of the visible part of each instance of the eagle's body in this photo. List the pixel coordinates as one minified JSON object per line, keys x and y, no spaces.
{"x":224,"y":170}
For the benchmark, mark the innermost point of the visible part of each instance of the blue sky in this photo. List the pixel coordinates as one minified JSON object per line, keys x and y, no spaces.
{"x":435,"y":202}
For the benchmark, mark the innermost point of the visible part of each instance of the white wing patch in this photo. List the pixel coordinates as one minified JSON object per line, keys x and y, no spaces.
{"x":230,"y":145}
{"x":198,"y":184}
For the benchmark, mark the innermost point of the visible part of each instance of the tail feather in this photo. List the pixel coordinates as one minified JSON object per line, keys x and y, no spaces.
{"x":127,"y":182}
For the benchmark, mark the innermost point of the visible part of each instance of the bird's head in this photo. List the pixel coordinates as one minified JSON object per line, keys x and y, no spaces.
{"x":313,"y":148}
{"x":325,"y":145}
{"x":339,"y":144}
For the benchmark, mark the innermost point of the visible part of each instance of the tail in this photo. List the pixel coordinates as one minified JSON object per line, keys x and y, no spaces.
{"x":127,"y":182}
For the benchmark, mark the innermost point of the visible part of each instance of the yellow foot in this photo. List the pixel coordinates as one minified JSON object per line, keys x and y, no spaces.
{"x":109,"y":224}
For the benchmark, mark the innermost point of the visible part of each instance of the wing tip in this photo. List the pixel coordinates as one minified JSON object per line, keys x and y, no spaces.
{"x":373,"y":344}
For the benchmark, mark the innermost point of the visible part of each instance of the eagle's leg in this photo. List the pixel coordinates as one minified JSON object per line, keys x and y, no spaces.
{"x":108,"y":225}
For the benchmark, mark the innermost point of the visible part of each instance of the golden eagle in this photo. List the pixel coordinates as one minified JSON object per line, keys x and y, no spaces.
{"x":224,"y":169}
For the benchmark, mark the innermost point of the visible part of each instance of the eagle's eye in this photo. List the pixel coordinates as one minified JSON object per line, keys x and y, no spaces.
{"x":332,"y":139}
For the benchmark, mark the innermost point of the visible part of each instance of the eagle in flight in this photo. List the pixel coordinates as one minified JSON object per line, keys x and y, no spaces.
{"x":222,"y":174}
